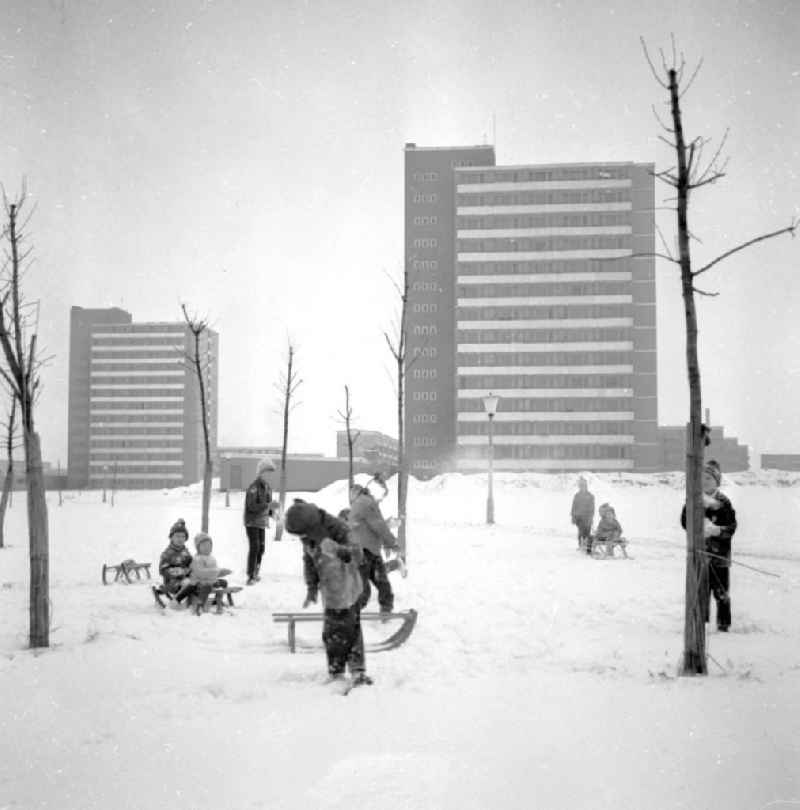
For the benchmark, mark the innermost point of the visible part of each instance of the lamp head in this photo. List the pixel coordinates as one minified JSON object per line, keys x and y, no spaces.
{"x":490,"y":403}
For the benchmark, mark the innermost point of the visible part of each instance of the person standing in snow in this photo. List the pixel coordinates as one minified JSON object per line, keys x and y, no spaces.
{"x":718,"y":528}
{"x":257,"y":512}
{"x":331,"y":566}
{"x":583,"y":513}
{"x":369,"y":530}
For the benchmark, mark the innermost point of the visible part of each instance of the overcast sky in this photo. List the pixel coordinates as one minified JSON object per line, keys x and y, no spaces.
{"x":246,"y":158}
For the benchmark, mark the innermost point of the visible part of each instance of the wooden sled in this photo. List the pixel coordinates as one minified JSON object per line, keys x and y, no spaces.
{"x":122,"y":571}
{"x":604,"y":549}
{"x":215,"y":598}
{"x":409,"y":618}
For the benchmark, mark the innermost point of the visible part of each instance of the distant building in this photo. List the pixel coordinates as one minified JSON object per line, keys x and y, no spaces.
{"x":732,"y":456}
{"x":134,"y":417}
{"x":304,"y":472}
{"x":375,"y":448}
{"x":524,"y":284}
{"x":780,"y":461}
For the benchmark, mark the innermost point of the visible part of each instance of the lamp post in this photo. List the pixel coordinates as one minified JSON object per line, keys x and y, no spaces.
{"x":490,"y":403}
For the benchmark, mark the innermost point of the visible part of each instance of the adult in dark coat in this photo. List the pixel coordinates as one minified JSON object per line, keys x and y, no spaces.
{"x":257,"y":511}
{"x":718,"y":528}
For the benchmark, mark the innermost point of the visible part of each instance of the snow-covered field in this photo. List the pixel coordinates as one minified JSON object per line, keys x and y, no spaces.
{"x":536,"y":677}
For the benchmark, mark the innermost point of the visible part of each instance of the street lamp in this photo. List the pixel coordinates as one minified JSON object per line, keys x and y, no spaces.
{"x":490,"y":403}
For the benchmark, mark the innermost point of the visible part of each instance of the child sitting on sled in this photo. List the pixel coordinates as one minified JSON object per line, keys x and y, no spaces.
{"x":175,"y":560}
{"x":204,"y":573}
{"x":608,"y":532}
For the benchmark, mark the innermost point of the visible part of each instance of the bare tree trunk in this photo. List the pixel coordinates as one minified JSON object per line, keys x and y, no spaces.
{"x":22,"y":378}
{"x":288,"y":392}
{"x":694,"y":636}
{"x":8,"y":481}
{"x":197,"y":327}
{"x":347,"y":416}
{"x":39,"y":543}
{"x":687,"y":176}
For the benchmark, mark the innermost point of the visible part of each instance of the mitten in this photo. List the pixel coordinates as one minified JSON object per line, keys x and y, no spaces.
{"x":710,"y":529}
{"x":311,"y":597}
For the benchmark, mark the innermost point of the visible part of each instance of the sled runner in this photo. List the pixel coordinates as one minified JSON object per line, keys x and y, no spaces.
{"x":604,"y":549}
{"x":123,"y":571}
{"x":397,"y":638}
{"x":214,"y":598}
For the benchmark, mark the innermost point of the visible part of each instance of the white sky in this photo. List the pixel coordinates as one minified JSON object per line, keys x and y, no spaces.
{"x":246,"y":158}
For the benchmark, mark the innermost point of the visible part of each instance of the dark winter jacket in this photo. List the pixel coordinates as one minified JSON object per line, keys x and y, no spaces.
{"x":174,"y":564}
{"x":367,"y":526}
{"x":257,"y":502}
{"x":720,"y":512}
{"x":330,"y":560}
{"x":583,"y":506}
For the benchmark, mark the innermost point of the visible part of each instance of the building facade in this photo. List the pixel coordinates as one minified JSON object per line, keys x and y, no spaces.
{"x":545,"y":301}
{"x":372,"y":446}
{"x":430,"y":217}
{"x":135,"y":417}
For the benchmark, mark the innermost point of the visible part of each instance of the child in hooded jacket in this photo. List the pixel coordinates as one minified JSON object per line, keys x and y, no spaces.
{"x":331,"y":567}
{"x":175,"y":560}
{"x":608,"y":527}
{"x":719,"y":526}
{"x":204,"y":573}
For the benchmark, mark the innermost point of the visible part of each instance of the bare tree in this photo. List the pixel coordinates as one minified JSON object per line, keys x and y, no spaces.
{"x":8,"y":480}
{"x":347,"y":417}
{"x":398,"y":347}
{"x":199,"y":326}
{"x":21,"y":373}
{"x":288,"y":387}
{"x":692,"y":172}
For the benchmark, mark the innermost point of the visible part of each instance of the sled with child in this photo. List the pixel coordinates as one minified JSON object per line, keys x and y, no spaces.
{"x":216,"y":598}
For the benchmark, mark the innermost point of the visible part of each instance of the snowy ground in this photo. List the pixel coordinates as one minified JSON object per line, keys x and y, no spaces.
{"x":536,"y":677}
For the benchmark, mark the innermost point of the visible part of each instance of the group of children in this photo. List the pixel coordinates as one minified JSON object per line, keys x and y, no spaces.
{"x":341,"y":557}
{"x":187,"y":577}
{"x":608,"y":531}
{"x":719,"y":525}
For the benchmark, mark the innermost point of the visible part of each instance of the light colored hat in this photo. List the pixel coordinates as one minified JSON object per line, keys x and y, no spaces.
{"x":201,"y":537}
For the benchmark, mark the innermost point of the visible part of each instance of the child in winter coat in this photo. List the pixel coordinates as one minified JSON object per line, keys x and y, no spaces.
{"x":608,"y":528}
{"x":369,"y":530}
{"x":718,"y":528}
{"x":175,"y":560}
{"x":331,"y":566}
{"x":583,"y":513}
{"x":204,"y":573}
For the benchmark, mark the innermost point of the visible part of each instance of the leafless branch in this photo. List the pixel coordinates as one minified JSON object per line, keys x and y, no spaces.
{"x":703,"y":292}
{"x":790,"y":230}
{"x":664,"y":243}
{"x":652,"y":66}
{"x":707,"y":182}
{"x":666,"y":256}
{"x":691,"y":79}
{"x":660,"y":122}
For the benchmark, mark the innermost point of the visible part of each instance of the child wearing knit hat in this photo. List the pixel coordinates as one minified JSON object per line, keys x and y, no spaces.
{"x":175,"y":560}
{"x":719,"y":526}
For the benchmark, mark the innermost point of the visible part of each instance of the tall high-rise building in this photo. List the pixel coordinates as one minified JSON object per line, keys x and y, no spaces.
{"x":551,"y":307}
{"x":134,"y":405}
{"x":430,"y":255}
